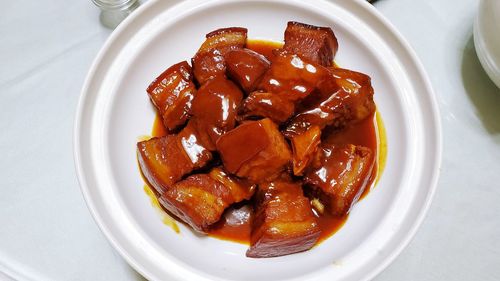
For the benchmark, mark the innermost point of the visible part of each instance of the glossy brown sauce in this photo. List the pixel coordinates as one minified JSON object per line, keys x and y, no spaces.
{"x":264,"y":47}
{"x":363,"y":133}
{"x":366,"y":133}
{"x":237,"y":233}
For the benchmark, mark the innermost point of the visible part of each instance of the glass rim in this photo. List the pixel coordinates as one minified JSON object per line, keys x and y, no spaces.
{"x":114,"y":4}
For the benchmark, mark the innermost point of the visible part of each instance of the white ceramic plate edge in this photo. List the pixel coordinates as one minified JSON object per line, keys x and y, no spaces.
{"x":484,"y":47}
{"x":438,"y":156}
{"x":77,"y":151}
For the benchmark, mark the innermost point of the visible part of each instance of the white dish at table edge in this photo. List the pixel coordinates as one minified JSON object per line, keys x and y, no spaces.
{"x":114,"y":111}
{"x":486,"y":38}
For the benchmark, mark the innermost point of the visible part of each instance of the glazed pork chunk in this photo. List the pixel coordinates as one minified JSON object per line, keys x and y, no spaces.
{"x":292,"y":80}
{"x":283,"y":223}
{"x":215,"y":109}
{"x":341,"y":176}
{"x":209,"y":61}
{"x":255,"y":150}
{"x":201,"y":199}
{"x":305,"y":148}
{"x":240,"y":189}
{"x":351,"y":102}
{"x":172,"y":93}
{"x":291,"y":77}
{"x":272,"y":106}
{"x":246,"y":67}
{"x":165,"y":160}
{"x":315,"y":44}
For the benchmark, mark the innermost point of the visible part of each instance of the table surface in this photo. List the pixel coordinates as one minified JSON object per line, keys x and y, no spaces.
{"x":47,"y":232}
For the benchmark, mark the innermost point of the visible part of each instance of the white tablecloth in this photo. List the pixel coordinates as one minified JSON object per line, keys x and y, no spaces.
{"x":47,"y":233}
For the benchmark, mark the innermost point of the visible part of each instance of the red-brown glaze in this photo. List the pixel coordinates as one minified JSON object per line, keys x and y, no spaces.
{"x":305,"y":147}
{"x":246,"y":67}
{"x":361,"y":133}
{"x":235,"y":224}
{"x":200,"y":199}
{"x":209,"y":60}
{"x":351,"y":102}
{"x":291,"y":77}
{"x":264,"y":47}
{"x":172,"y":93}
{"x":215,"y":108}
{"x":240,"y":189}
{"x":283,"y":221}
{"x":159,"y":129}
{"x":193,"y":146}
{"x":255,"y":150}
{"x":165,"y":160}
{"x":261,"y":104}
{"x":340,"y":176}
{"x":314,"y":43}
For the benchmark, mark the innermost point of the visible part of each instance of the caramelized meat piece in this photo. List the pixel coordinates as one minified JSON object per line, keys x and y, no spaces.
{"x":164,"y":161}
{"x":215,"y":109}
{"x":193,"y":146}
{"x":352,"y":102}
{"x":255,"y":150}
{"x":246,"y":67}
{"x":269,"y":105}
{"x":313,"y":43}
{"x":291,"y":77}
{"x":172,"y":93}
{"x":239,"y":189}
{"x":209,"y":61}
{"x":357,"y":93}
{"x":305,"y":147}
{"x":341,"y":176}
{"x":200,"y":199}
{"x":283,"y":223}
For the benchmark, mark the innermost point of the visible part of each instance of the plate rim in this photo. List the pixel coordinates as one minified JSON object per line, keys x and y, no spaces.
{"x":483,"y":49}
{"x":426,"y":83}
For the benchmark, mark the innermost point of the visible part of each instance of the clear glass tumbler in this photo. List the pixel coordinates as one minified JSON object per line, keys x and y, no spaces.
{"x":115,"y":11}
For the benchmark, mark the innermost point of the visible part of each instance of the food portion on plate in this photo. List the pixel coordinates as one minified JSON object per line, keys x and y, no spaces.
{"x":275,"y":137}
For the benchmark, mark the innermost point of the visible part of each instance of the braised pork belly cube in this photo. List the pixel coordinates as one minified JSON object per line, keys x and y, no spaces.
{"x":357,"y":93}
{"x":246,"y":67}
{"x":283,"y":222}
{"x":341,"y":176}
{"x":200,"y":200}
{"x":172,"y":93}
{"x":272,"y":106}
{"x":291,"y":77}
{"x":352,"y":102}
{"x":313,"y":43}
{"x":209,"y":61}
{"x":305,"y":147}
{"x":240,"y":189}
{"x":164,"y":161}
{"x":215,"y":109}
{"x":255,"y":150}
{"x":194,"y":146}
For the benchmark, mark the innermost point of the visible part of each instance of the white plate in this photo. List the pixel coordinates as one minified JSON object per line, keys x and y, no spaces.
{"x":486,"y":38}
{"x":114,"y":111}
